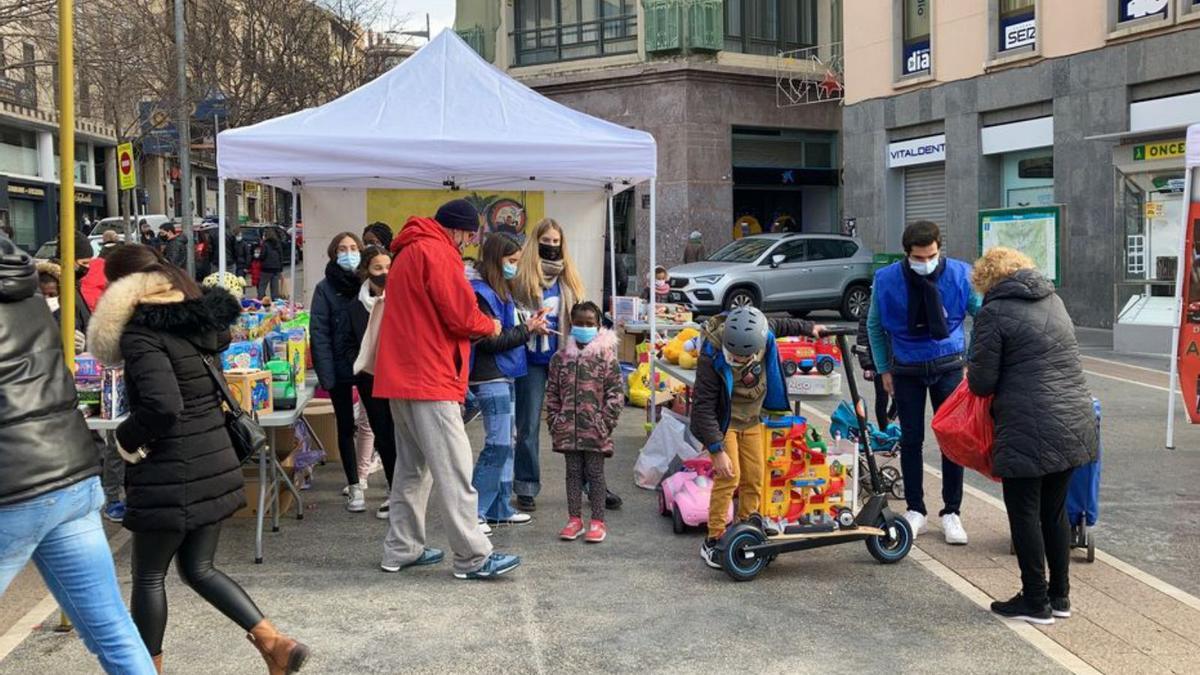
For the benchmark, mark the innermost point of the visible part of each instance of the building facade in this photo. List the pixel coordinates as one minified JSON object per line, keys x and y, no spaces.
{"x":745,"y":141}
{"x":29,"y":158}
{"x":1054,"y":126}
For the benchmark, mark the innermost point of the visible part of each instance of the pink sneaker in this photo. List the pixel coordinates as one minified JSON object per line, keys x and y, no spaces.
{"x":573,"y":529}
{"x":596,"y":532}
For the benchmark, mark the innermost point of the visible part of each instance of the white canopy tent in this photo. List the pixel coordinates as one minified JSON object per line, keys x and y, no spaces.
{"x":443,"y":119}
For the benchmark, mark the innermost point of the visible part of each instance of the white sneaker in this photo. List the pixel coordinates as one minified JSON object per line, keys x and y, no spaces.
{"x":346,"y":490}
{"x":485,"y":528}
{"x":383,"y":511}
{"x":518,"y":518}
{"x":953,"y":529}
{"x":916,"y":522}
{"x":356,"y":499}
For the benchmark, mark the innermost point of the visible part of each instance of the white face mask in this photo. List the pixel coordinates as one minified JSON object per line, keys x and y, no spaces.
{"x":731,"y":359}
{"x":924,"y":268}
{"x":53,"y":302}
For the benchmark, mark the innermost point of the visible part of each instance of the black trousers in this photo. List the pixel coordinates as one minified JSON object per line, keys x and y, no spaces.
{"x":379,"y":414}
{"x":342,"y":397}
{"x":1041,"y":535}
{"x":885,"y":406}
{"x":193,"y":553}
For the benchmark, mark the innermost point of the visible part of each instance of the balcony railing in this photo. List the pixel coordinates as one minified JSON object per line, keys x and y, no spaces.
{"x":476,"y":37}
{"x":586,"y":39}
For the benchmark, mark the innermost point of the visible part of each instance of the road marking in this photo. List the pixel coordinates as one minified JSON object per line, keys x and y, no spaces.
{"x":1125,"y":365}
{"x":1032,"y":635}
{"x":47,"y":606}
{"x":1131,"y":571}
{"x":1126,"y":380}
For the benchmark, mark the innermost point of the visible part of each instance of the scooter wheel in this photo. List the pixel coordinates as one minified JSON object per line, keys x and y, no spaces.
{"x":740,"y":564}
{"x":677,"y":523}
{"x":893,"y":546}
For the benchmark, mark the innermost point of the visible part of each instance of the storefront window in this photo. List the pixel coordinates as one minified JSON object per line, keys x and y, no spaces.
{"x":1129,"y":11}
{"x":561,"y":30}
{"x":1017,"y":26}
{"x":22,"y":215}
{"x":1029,"y":178}
{"x":916,"y":56}
{"x":770,"y":26}
{"x":81,"y":162}
{"x":18,"y":152}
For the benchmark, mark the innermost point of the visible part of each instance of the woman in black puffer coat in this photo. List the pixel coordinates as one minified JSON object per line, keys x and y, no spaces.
{"x":156,"y":320}
{"x":1025,"y":354}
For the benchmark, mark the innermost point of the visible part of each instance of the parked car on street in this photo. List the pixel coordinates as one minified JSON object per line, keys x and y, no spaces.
{"x":792,"y":272}
{"x":117,"y":223}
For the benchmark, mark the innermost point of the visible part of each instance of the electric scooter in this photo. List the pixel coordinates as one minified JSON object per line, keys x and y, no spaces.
{"x":746,"y":550}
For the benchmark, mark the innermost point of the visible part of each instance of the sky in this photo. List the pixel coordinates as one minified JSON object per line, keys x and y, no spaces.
{"x":441,"y":13}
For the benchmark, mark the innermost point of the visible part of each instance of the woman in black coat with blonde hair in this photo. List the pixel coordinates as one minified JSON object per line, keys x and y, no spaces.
{"x":1024,"y":354}
{"x":156,"y":320}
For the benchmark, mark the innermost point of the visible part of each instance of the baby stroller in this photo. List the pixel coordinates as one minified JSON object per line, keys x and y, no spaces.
{"x":885,"y":444}
{"x":1083,"y":498}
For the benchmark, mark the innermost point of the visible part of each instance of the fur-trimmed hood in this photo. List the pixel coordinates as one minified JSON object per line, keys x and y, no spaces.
{"x":51,"y":268}
{"x":606,"y":340}
{"x":148,"y":299}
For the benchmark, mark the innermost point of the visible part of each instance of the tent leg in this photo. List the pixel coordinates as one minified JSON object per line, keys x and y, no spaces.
{"x":651,"y":417}
{"x":221,"y":252}
{"x":292,"y":272}
{"x":612,"y":259}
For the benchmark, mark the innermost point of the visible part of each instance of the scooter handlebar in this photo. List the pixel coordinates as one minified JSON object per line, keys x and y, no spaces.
{"x":834,"y":331}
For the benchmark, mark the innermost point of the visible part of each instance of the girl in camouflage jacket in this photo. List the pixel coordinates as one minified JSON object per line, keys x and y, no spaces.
{"x":584,"y":397}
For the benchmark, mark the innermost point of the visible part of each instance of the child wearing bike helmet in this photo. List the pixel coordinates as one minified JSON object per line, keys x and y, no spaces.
{"x":737,"y":378}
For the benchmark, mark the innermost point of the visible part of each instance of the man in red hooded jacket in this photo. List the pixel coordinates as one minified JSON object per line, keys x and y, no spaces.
{"x":429,"y":320}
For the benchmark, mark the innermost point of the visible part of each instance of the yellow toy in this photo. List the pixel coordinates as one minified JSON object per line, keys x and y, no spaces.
{"x":690,"y":356}
{"x":639,"y":389}
{"x":674,"y":348}
{"x":800,"y":485}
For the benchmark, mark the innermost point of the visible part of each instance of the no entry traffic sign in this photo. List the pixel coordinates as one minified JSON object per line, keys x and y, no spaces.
{"x":125,"y":171}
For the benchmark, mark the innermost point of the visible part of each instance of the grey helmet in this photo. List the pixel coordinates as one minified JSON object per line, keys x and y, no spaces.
{"x":745,"y":332}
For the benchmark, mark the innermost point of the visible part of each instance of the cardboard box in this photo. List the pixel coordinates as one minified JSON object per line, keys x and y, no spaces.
{"x":319,"y":413}
{"x":243,"y":355}
{"x":815,"y":385}
{"x":627,"y":346}
{"x":626,"y":309}
{"x":251,"y":389}
{"x":250,"y":476}
{"x":297,"y":354}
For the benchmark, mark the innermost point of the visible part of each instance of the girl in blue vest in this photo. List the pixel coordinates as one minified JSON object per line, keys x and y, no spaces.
{"x":495,"y":364}
{"x":547,"y":281}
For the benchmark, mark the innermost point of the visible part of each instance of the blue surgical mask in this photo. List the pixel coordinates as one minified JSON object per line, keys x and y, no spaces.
{"x":348,"y":260}
{"x":584,"y":335}
{"x":924,"y":268}
{"x":510,"y":271}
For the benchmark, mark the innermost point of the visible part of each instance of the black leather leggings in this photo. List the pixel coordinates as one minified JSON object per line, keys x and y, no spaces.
{"x":193,"y":553}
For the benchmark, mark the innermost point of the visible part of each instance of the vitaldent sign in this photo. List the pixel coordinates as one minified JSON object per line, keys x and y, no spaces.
{"x":914,"y":151}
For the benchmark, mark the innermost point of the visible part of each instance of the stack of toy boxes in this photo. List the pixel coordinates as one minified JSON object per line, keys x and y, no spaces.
{"x":252,"y":389}
{"x":89,"y":373}
{"x":800,"y":486}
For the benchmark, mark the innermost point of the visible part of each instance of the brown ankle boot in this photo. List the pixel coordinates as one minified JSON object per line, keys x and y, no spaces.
{"x":282,"y":654}
{"x":157,"y":663}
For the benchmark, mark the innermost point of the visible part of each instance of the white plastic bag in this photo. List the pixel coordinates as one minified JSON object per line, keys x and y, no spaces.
{"x":670,"y":439}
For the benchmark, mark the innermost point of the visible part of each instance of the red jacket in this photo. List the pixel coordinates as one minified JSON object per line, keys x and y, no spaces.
{"x":429,"y":319}
{"x":92,"y":286}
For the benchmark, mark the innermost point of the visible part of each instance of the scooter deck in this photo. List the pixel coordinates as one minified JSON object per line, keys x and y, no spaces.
{"x":856,"y":533}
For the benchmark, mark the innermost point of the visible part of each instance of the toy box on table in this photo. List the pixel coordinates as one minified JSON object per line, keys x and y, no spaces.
{"x":803,"y":487}
{"x":101,"y":391}
{"x":251,"y":389}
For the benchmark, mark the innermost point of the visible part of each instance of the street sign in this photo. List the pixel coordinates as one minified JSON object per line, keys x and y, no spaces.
{"x":125,"y":171}
{"x":1163,"y":150}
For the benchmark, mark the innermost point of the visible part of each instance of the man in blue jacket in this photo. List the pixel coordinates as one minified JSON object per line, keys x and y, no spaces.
{"x":915,"y":326}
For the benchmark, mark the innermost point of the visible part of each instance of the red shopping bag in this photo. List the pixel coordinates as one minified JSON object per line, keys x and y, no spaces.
{"x":965,"y":431}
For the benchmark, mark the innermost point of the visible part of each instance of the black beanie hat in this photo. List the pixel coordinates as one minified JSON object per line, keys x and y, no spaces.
{"x":458,"y":215}
{"x":83,"y":246}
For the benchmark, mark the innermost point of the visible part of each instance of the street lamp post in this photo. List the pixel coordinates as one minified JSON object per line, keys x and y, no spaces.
{"x":183,"y":125}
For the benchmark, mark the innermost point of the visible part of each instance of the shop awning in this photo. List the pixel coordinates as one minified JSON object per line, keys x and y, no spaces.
{"x":1123,"y":136}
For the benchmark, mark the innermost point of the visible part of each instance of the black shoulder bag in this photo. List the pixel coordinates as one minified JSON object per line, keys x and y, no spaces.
{"x":245,"y":432}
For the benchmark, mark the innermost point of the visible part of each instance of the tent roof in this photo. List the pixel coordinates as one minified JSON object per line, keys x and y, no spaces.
{"x":444,"y":117}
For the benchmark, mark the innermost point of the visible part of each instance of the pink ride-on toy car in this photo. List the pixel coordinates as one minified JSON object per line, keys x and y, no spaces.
{"x":685,"y":494}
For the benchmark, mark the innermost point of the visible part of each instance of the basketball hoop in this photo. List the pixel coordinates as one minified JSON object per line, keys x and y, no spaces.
{"x":810,"y":75}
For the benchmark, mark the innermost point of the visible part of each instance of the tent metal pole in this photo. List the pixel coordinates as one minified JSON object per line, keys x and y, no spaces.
{"x":651,"y":418}
{"x":612,"y":258}
{"x":292,"y":272}
{"x":1190,"y":176}
{"x":221,"y":252}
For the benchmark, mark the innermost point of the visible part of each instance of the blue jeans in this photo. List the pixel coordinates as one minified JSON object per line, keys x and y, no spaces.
{"x":493,"y":477}
{"x":61,"y":532}
{"x":910,"y":404}
{"x":531,"y":393}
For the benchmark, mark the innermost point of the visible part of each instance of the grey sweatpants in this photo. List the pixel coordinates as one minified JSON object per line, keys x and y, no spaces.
{"x":433,"y":453}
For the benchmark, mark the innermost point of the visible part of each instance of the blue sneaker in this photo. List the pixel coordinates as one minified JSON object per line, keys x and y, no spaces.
{"x":114,"y":511}
{"x":430,"y":556}
{"x":496,"y":565}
